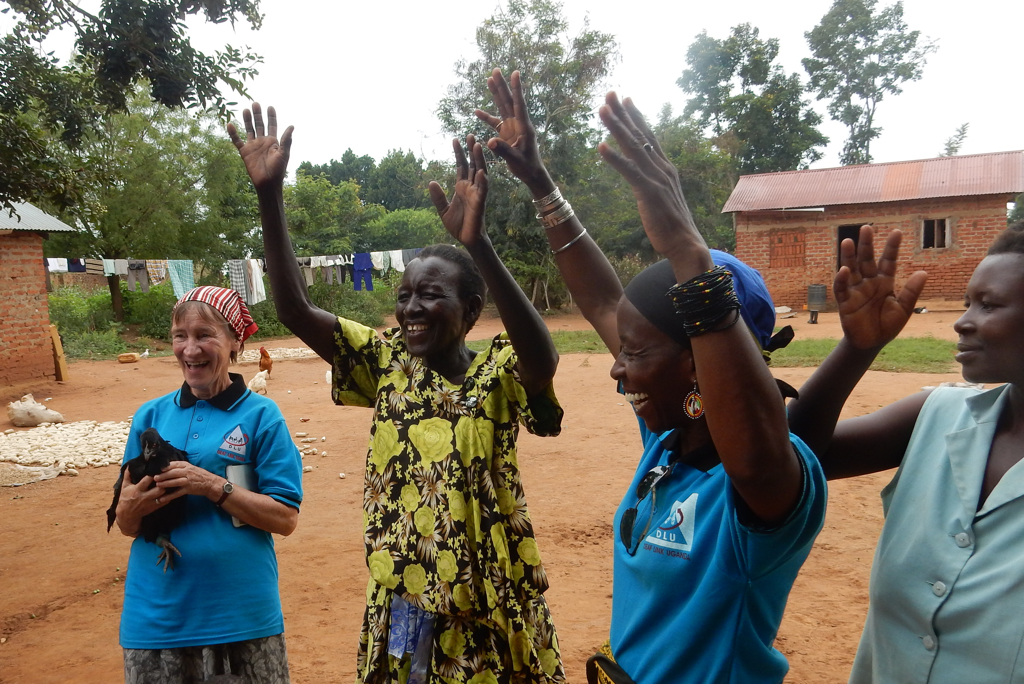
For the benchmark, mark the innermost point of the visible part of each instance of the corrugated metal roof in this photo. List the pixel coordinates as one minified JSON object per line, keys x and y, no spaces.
{"x":32,"y":218}
{"x":975,"y":174}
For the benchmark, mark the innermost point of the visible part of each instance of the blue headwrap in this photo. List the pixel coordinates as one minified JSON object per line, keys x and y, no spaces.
{"x":648,"y":293}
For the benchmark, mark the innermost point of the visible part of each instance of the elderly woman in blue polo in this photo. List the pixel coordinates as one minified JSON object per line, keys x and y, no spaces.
{"x":456,"y":588}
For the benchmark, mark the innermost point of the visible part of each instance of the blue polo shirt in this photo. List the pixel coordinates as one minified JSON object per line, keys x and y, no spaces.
{"x":224,"y":586}
{"x":702,"y":599}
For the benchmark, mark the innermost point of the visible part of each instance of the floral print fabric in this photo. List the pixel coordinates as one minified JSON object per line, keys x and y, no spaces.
{"x":445,"y":518}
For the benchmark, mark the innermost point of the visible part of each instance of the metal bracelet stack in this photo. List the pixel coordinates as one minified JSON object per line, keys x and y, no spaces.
{"x":553,"y":209}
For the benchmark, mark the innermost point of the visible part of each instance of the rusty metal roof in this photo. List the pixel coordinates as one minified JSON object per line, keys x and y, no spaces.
{"x":975,"y":174}
{"x":29,"y":217}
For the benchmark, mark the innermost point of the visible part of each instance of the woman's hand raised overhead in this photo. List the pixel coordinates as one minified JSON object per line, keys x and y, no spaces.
{"x":463,"y":217}
{"x":516,"y":139}
{"x":871,"y":314}
{"x":266,"y":159}
{"x":654,"y":179}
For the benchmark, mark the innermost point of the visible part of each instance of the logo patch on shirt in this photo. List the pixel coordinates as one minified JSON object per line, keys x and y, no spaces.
{"x":234,"y":444}
{"x":675,"y":531}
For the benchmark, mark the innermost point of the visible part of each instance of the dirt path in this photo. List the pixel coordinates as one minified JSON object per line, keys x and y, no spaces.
{"x":61,"y":598}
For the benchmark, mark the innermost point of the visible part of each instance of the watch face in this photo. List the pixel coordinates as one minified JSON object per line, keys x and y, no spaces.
{"x":228,"y":487}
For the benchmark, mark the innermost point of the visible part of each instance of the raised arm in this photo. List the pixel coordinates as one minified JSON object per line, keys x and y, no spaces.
{"x":872,"y":315}
{"x":266,"y":161}
{"x":463,"y":217}
{"x":590,"y":278}
{"x":744,"y":410}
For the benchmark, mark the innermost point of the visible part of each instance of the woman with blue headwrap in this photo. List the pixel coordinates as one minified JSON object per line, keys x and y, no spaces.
{"x":725,"y":503}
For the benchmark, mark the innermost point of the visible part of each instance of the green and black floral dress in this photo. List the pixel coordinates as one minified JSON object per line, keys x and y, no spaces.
{"x":444,"y":513}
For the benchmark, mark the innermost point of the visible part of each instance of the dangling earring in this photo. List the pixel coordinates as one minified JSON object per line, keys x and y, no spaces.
{"x":693,"y":404}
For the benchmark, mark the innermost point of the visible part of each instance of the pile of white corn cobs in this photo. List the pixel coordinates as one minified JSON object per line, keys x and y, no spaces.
{"x":66,"y":446}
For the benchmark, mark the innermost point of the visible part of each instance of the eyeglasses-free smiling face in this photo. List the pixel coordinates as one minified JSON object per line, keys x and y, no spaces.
{"x":654,"y":370}
{"x":430,"y":309}
{"x":203,"y":350}
{"x":991,"y":346}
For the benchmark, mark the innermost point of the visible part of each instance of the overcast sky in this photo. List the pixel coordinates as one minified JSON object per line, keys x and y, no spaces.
{"x":369,"y":75}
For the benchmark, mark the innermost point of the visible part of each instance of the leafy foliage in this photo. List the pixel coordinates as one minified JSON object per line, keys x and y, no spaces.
{"x":859,"y":57}
{"x":46,"y":109}
{"x":151,"y":311}
{"x":755,"y":109}
{"x":562,"y":75}
{"x":955,"y":141}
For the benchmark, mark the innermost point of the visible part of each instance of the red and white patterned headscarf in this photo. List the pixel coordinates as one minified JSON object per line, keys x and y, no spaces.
{"x":229,"y":303}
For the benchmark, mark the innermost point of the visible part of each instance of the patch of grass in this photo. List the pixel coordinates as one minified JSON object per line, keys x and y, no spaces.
{"x":94,"y":344}
{"x":566,"y":342}
{"x":902,"y":355}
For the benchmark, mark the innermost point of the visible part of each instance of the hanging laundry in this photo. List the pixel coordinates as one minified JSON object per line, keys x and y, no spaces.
{"x":93,"y":266}
{"x":76,"y":266}
{"x":108,"y":267}
{"x":381,"y":261}
{"x":409,"y":254}
{"x":306,"y":268}
{"x":182,"y":276}
{"x":121,"y":267}
{"x":238,"y":278}
{"x":362,"y":271}
{"x":157,"y":269}
{"x":57,"y":265}
{"x":395,"y":258}
{"x":257,"y":292}
{"x":137,"y":274}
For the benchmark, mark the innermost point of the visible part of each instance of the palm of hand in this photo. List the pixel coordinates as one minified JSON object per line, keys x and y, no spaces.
{"x":461,"y":218}
{"x":870,"y":314}
{"x":264,"y":160}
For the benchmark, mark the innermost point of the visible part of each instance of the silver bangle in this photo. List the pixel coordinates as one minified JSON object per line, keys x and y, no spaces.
{"x":570,"y":243}
{"x":558,"y":216}
{"x":545,"y":202}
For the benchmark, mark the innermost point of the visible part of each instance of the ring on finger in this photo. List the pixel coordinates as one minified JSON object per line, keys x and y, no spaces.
{"x":157,"y":501}
{"x":649,"y":147}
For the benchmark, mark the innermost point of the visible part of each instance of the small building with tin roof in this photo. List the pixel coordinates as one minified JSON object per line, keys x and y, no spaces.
{"x":789,"y":225}
{"x":26,"y":347}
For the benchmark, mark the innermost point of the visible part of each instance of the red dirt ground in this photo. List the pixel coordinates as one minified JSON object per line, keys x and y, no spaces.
{"x":59,"y":570}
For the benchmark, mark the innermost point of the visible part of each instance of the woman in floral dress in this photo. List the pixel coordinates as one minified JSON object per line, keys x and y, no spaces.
{"x":456,"y":580}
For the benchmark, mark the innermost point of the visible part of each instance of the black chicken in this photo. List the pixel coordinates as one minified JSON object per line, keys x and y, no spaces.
{"x":156,"y":527}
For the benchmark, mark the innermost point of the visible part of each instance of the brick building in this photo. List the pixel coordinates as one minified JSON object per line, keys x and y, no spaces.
{"x":789,"y":225}
{"x":26,"y":350}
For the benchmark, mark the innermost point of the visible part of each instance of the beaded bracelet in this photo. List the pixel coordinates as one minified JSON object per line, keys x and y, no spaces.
{"x":570,"y":243}
{"x":704,"y":301}
{"x":560,"y":215}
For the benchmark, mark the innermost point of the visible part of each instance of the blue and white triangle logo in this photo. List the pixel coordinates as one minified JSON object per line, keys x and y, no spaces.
{"x":235,"y":441}
{"x":676,"y":529}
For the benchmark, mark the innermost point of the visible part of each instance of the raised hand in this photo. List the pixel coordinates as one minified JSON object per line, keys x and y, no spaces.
{"x":463,"y":217}
{"x":654,"y":179}
{"x":870,"y":312}
{"x":266,"y":159}
{"x":516,"y":140}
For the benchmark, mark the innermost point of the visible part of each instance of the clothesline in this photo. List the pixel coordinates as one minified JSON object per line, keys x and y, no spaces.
{"x":245,"y":275}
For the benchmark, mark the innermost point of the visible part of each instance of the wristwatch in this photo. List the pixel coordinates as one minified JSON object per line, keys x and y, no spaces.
{"x":227,"y":489}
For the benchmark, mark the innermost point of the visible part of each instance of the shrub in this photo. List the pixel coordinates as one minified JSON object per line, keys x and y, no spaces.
{"x":151,"y":311}
{"x":75,"y":311}
{"x":94,"y":344}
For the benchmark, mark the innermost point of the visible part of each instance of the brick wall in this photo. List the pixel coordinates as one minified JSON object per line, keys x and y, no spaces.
{"x":26,"y":352}
{"x":795,"y":249}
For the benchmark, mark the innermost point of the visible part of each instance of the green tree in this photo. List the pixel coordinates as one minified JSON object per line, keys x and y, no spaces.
{"x":955,"y":141}
{"x":349,"y":168}
{"x":859,"y":57}
{"x":1017,"y":213}
{"x":562,"y":73}
{"x":402,"y":229}
{"x":756,"y":111}
{"x":159,"y":183}
{"x":325,"y":218}
{"x":398,"y":182}
{"x":46,"y":109}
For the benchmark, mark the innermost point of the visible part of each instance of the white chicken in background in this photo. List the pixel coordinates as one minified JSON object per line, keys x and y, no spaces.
{"x":144,"y":354}
{"x":258,"y":383}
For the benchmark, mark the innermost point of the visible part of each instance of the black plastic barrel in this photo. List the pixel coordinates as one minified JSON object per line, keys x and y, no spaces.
{"x":816,"y":297}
